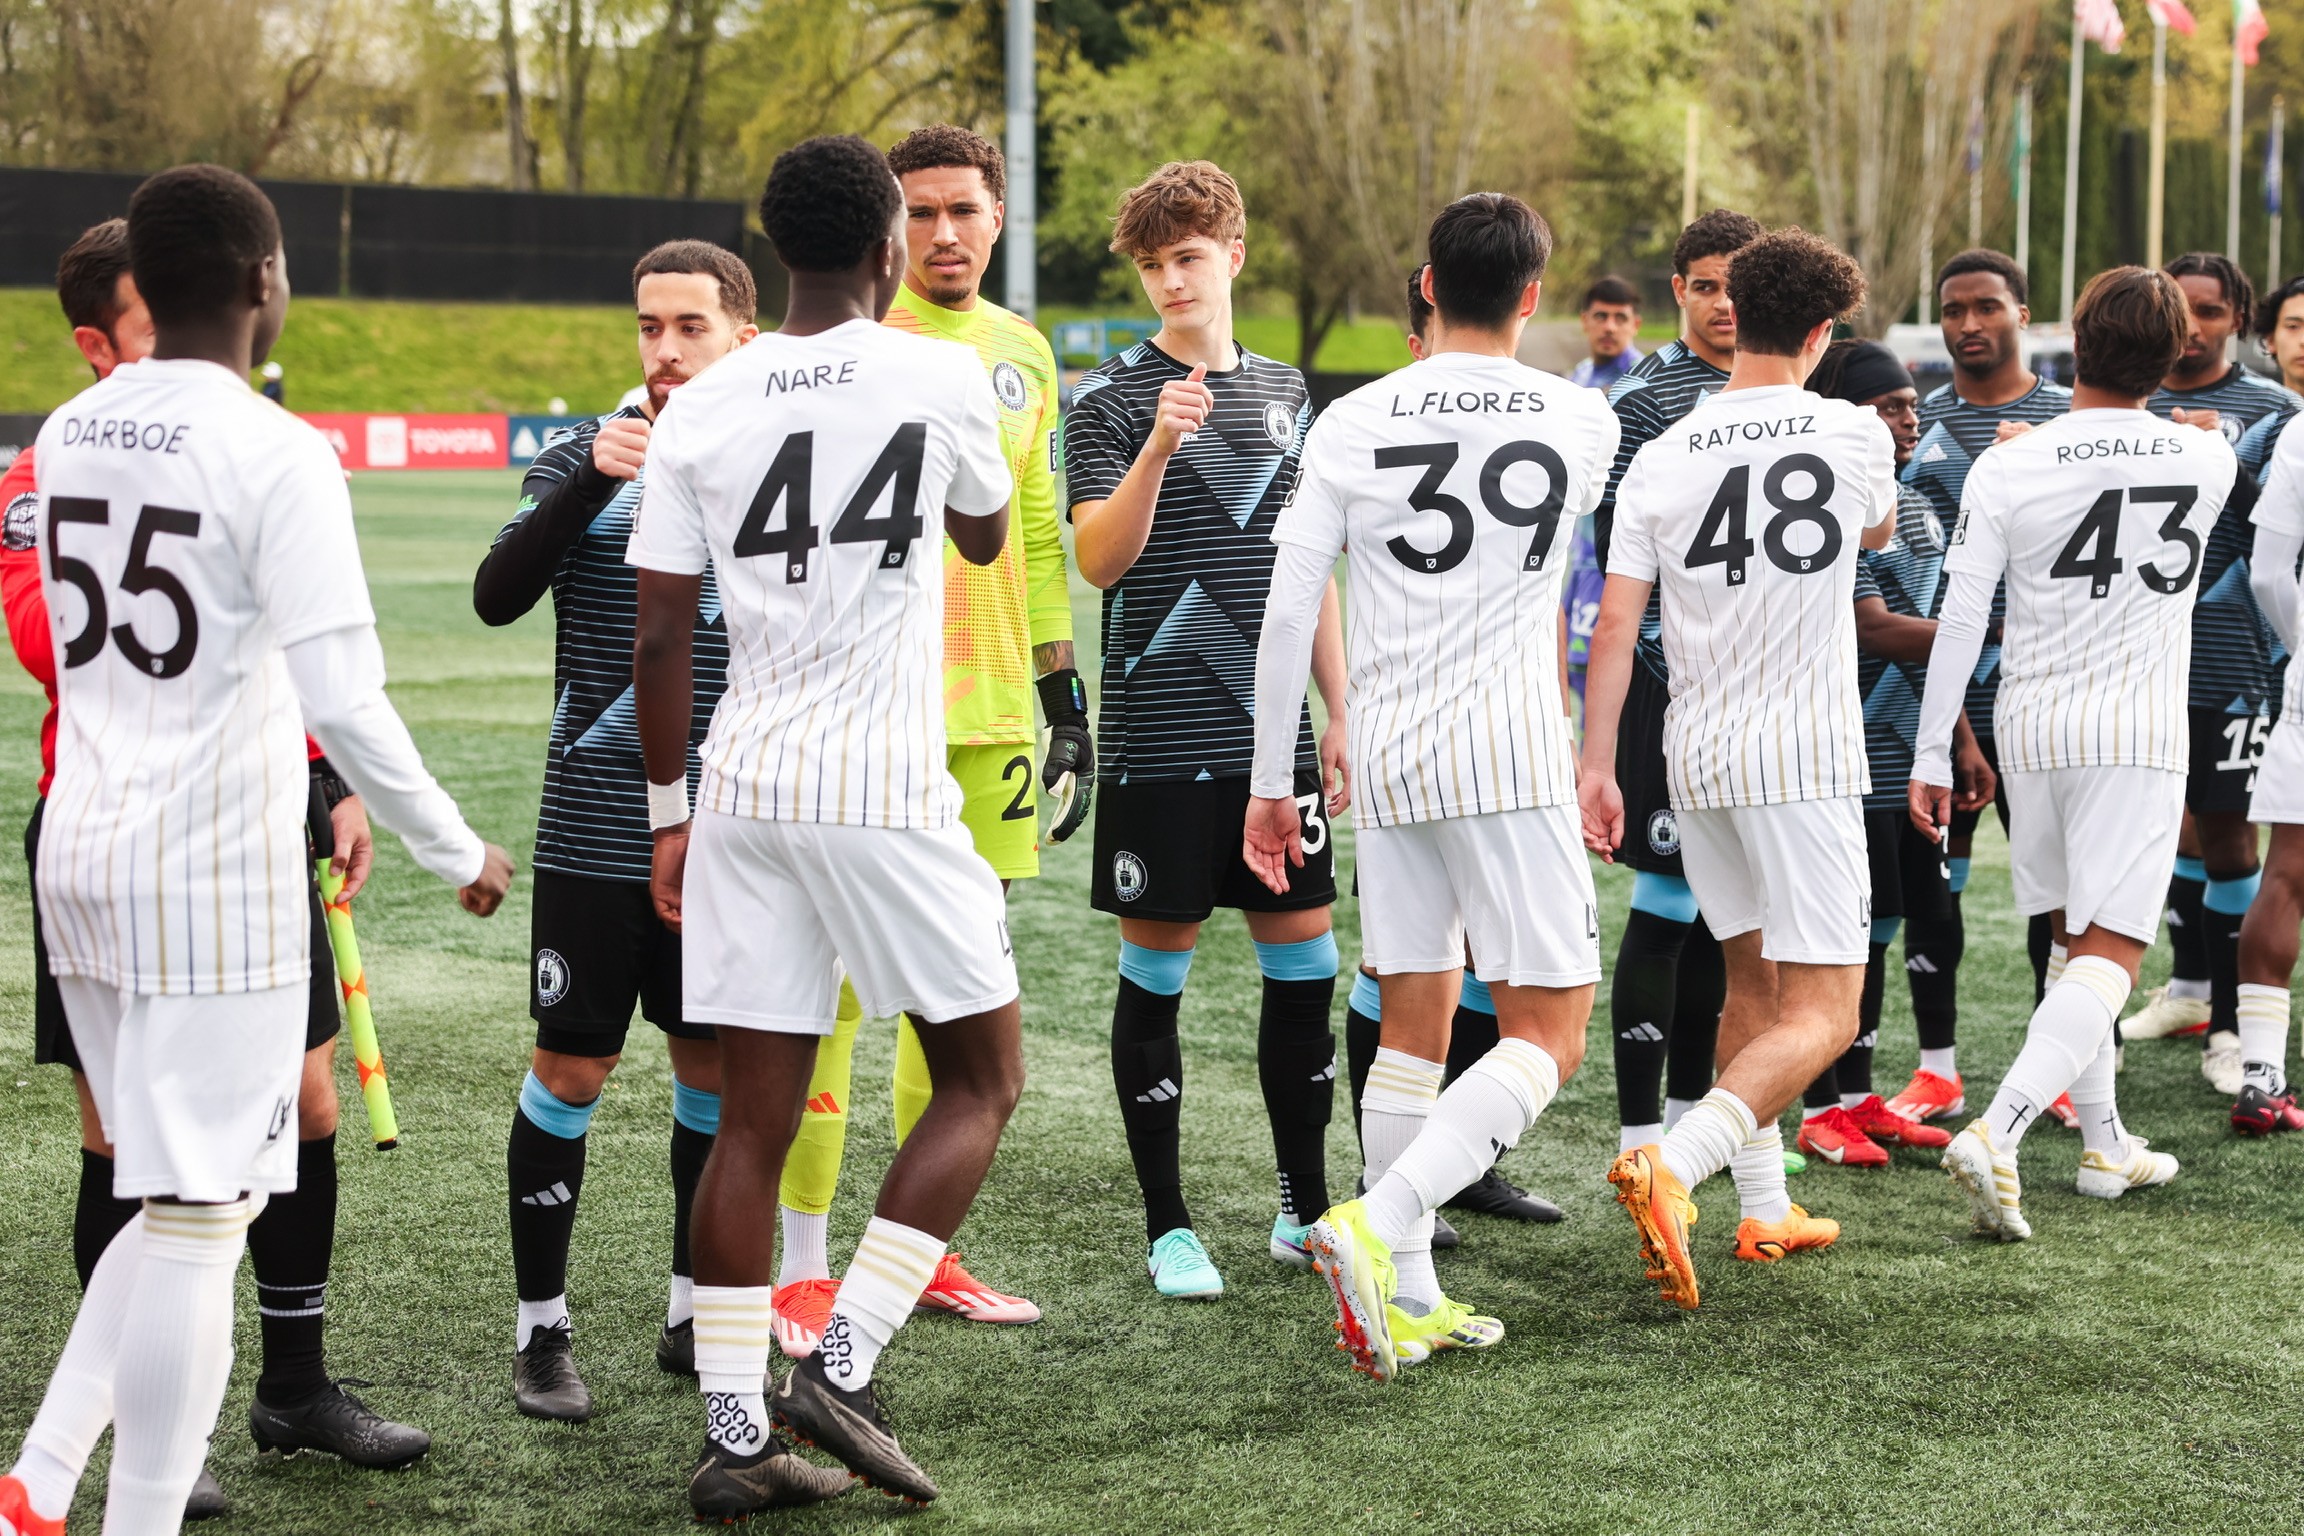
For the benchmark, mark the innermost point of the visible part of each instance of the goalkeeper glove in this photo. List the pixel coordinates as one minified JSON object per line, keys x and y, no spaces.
{"x":1068,"y":767}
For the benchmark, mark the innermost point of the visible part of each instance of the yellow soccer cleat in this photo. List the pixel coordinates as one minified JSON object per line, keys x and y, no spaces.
{"x":1659,"y":1206}
{"x":1447,"y":1326}
{"x":1764,"y":1242}
{"x":1987,"y":1176}
{"x":1357,"y":1264}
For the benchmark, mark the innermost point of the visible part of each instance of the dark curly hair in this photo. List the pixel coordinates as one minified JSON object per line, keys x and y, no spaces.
{"x":1722,"y":232}
{"x":193,"y":233}
{"x":88,"y":276}
{"x":828,"y":201}
{"x":2238,"y":291}
{"x":2128,"y":329}
{"x":1784,"y":284}
{"x":945,"y":144}
{"x":2268,"y":308}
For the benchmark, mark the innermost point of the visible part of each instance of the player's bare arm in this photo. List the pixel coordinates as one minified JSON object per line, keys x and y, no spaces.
{"x":1108,"y":535}
{"x":1607,"y":676}
{"x":664,"y":692}
{"x":355,"y":845}
{"x":978,"y":538}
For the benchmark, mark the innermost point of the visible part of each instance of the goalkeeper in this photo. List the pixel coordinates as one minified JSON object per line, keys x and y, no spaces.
{"x":1007,"y":634}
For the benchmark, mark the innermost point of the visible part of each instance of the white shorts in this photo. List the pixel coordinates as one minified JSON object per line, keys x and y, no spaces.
{"x":772,"y":910}
{"x":2097,"y":844}
{"x":1798,"y":872}
{"x":2279,"y":796}
{"x":197,"y":1094}
{"x":1516,"y":883}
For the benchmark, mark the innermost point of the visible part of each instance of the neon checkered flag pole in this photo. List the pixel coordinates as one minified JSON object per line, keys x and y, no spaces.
{"x":359,"y":1021}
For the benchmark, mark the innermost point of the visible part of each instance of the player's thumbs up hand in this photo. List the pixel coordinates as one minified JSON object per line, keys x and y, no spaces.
{"x":1183,"y":410}
{"x":621,"y":447}
{"x":484,"y":895}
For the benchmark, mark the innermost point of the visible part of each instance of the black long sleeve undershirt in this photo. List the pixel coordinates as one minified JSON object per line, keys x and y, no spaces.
{"x":518,"y":569}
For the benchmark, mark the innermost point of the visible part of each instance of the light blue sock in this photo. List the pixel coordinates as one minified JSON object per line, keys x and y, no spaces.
{"x":1367,"y":996}
{"x":1160,"y":970}
{"x":2231,"y":897}
{"x":696,"y":1109}
{"x":1884,"y":929}
{"x":2191,"y":869}
{"x":1959,"y":869}
{"x":1476,"y":996}
{"x":1665,"y":896}
{"x":1309,"y":960}
{"x":567,"y":1121}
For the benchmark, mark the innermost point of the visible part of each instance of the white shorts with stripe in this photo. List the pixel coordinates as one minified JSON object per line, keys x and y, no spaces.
{"x":1798,"y":872}
{"x":2097,"y":844}
{"x":1516,"y":884}
{"x":2279,"y":794}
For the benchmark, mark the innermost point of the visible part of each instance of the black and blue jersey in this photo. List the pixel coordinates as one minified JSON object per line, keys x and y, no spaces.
{"x":1660,"y":389}
{"x":1908,"y":576}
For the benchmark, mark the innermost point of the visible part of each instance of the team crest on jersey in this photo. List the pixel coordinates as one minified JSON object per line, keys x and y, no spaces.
{"x":22,"y":529}
{"x":1279,"y":424}
{"x":1128,"y":876}
{"x":1664,"y":833}
{"x":551,"y":977}
{"x":1008,"y":384}
{"x":2232,"y":427}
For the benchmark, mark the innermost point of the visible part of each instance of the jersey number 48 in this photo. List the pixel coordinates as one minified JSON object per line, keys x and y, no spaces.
{"x":1722,"y":539}
{"x":789,"y":481}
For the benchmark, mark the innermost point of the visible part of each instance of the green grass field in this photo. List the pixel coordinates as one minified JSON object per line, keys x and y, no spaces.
{"x":2139,"y":1367}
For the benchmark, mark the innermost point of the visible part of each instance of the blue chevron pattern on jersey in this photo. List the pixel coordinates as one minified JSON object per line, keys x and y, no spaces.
{"x":2236,"y":657}
{"x":1908,"y":576}
{"x":1658,"y":390}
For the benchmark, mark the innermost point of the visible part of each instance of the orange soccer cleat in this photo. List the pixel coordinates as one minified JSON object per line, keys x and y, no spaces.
{"x":1764,"y":1242}
{"x":1659,"y":1206}
{"x":16,"y":1516}
{"x":1891,"y":1129}
{"x":954,"y":1291}
{"x":803,"y":1310}
{"x":1930,"y":1096}
{"x":1836,"y":1137}
{"x":2063,"y":1113}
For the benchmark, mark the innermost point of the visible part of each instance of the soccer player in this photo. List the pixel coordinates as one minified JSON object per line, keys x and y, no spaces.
{"x":1664,"y":1006}
{"x":1610,"y":315}
{"x":2280,"y":330}
{"x":1456,"y":484}
{"x":1982,"y":300}
{"x":1747,"y":517}
{"x":817,"y":471}
{"x":205,"y":582}
{"x":1004,"y":625}
{"x":596,"y":946}
{"x":2234,"y":676}
{"x":2096,"y":520}
{"x":298,"y":1405}
{"x":1178,"y":455}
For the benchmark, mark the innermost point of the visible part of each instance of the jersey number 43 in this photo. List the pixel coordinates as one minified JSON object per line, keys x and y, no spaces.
{"x":140,"y":577}
{"x":2092,"y":554}
{"x":896,"y":473}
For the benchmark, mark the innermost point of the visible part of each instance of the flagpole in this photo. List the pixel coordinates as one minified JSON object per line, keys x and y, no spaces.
{"x":2274,"y":192}
{"x":1928,"y":196}
{"x":2072,"y":176}
{"x":2232,"y":158}
{"x":1975,"y":170}
{"x":2156,"y":194}
{"x":1688,"y":165}
{"x":2024,"y":178}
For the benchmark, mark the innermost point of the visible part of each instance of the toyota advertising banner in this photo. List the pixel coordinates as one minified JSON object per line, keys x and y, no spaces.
{"x":364,"y":441}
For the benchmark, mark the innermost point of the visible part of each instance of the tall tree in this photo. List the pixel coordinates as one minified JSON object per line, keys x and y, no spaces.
{"x":520,"y":144}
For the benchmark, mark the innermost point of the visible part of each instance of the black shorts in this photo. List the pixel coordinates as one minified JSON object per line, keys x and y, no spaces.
{"x":598,"y":948}
{"x":2226,"y":750}
{"x":1651,"y":831}
{"x":1170,"y":851}
{"x":1909,"y":879}
{"x":52,"y":1037}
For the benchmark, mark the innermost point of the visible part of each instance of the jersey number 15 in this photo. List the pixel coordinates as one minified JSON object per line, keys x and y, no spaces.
{"x":789,"y":480}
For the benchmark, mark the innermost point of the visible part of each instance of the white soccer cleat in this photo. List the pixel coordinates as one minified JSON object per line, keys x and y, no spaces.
{"x":2141,"y":1168}
{"x":1987,"y":1177}
{"x":2163,"y":1016}
{"x":2221,"y":1064}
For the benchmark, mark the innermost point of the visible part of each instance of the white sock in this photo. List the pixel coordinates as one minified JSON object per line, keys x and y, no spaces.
{"x":1758,"y":1168}
{"x":2093,"y":1100}
{"x":1400,"y":1094}
{"x":2068,"y":1028}
{"x":1483,"y":1112}
{"x":78,"y":1405}
{"x":175,"y":1357}
{"x":735,"y":1325}
{"x":1630,"y":1136}
{"x":1816,"y":1112}
{"x":893,"y":1265}
{"x":1851,"y":1100}
{"x":1674,"y":1109}
{"x":2264,"y":1035}
{"x":541,"y":1314}
{"x":1416,"y":1288}
{"x":1708,"y":1137}
{"x":804,"y":1257}
{"x":2059,"y":956}
{"x":682,"y":1304}
{"x":2195,"y":991}
{"x":1939,"y":1062}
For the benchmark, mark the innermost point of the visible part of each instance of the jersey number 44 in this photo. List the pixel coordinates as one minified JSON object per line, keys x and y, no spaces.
{"x":895,"y":473}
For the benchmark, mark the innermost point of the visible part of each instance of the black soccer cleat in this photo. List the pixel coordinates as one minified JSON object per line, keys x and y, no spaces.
{"x":544,"y":1380}
{"x":334,"y":1421}
{"x":848,"y":1425}
{"x":725,"y":1486}
{"x":207,"y":1501}
{"x":1444,"y":1235}
{"x":1492,"y":1194}
{"x":2258,"y":1113}
{"x":676,"y":1349}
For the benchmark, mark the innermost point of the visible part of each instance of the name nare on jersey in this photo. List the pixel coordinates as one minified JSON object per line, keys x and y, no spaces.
{"x":813,"y":473}
{"x":1456,"y":483}
{"x":2098,"y":521}
{"x":1748,"y":514}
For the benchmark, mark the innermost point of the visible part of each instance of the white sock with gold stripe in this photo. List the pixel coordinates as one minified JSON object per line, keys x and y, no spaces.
{"x":735,"y":1325}
{"x":2069,"y":1027}
{"x":2264,"y":1035}
{"x":893,"y":1265}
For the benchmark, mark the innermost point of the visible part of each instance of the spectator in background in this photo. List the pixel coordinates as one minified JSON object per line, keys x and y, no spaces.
{"x":1611,"y":316}
{"x":2280,"y":329}
{"x":272,"y":389}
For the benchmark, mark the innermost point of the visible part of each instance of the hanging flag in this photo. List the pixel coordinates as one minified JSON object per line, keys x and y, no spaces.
{"x":2098,"y":22}
{"x":2172,"y":14}
{"x":2248,"y":29}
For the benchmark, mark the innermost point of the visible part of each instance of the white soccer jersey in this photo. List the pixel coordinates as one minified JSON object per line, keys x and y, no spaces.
{"x":813,"y":473}
{"x":2098,"y":519}
{"x":190,"y":530}
{"x":1456,"y":483}
{"x":2281,"y":509}
{"x":1748,"y":514}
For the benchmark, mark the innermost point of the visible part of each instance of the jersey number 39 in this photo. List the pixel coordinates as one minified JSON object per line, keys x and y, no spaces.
{"x":140,"y":577}
{"x":1438,"y":459}
{"x":896,"y":473}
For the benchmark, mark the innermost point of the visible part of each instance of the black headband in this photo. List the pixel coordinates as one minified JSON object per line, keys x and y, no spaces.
{"x":1871,"y":370}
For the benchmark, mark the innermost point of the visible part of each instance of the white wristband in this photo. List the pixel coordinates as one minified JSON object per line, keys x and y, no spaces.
{"x":667,"y":805}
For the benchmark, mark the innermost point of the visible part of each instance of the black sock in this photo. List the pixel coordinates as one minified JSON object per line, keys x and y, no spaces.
{"x":1641,"y":1000}
{"x":289,"y":1246}
{"x":1471,"y":1035}
{"x":1824,"y":1092}
{"x":1692,"y":1052}
{"x":1362,"y":1036}
{"x":689,"y":1149}
{"x":2220,"y":937}
{"x":1854,"y":1069}
{"x":1296,"y":1063}
{"x":97,"y":1218}
{"x":547,"y":1174}
{"x":2187,"y":940}
{"x":1932,"y":951}
{"x":1148,"y":1072}
{"x":2039,"y":938}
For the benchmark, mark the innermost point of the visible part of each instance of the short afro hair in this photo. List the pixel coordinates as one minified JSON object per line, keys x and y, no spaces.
{"x":2128,"y":329}
{"x":1419,"y":307}
{"x":941,"y":145}
{"x":739,"y":295}
{"x":1487,"y":247}
{"x":1611,"y":291}
{"x":2269,"y":307}
{"x":827,"y":202}
{"x":2238,"y":291}
{"x":1981,"y":260}
{"x":1784,"y":285}
{"x":1181,"y":200}
{"x":1722,"y":232}
{"x":88,"y":276}
{"x":193,"y":233}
